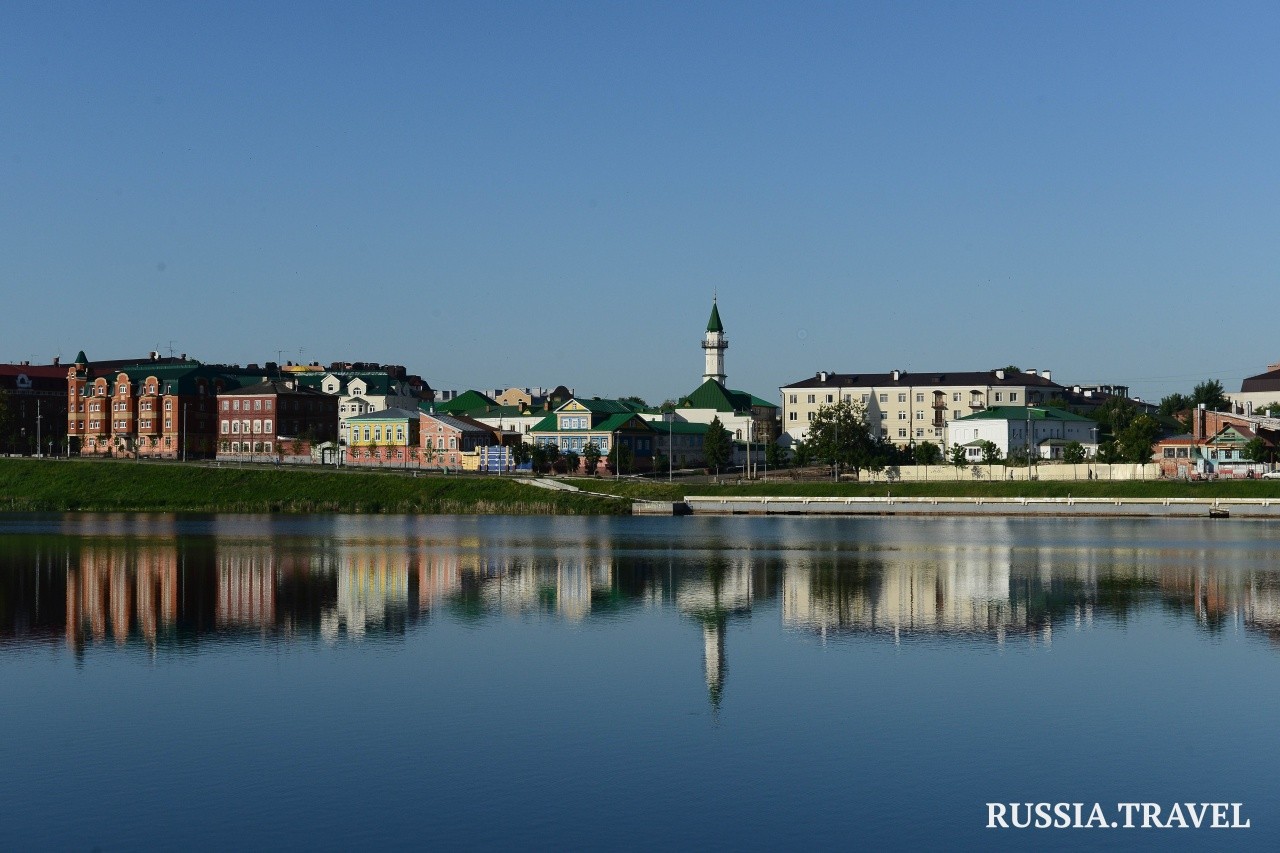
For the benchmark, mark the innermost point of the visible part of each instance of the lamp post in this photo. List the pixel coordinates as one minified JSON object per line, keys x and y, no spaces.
{"x":185,"y":408}
{"x":38,"y":436}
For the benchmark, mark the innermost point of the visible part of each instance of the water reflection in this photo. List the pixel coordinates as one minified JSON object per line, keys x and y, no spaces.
{"x":164,"y":583}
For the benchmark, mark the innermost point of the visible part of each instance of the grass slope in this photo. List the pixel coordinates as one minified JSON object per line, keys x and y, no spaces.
{"x":29,"y":485}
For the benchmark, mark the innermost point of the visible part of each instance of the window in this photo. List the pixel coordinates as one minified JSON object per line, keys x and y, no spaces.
{"x":1013,"y":396}
{"x":919,"y":433}
{"x":1168,"y":453}
{"x":902,"y":416}
{"x":812,"y":398}
{"x":226,"y":427}
{"x":235,"y":404}
{"x":266,"y":425}
{"x":884,"y":398}
{"x":955,"y":415}
{"x":257,"y":405}
{"x":920,"y":415}
{"x":902,"y":433}
{"x":811,"y":416}
{"x":865,"y":397}
{"x":793,"y":398}
{"x":955,"y":398}
{"x":847,"y":398}
{"x":831,"y":398}
{"x":884,"y":416}
{"x":267,"y":405}
{"x":902,"y":398}
{"x":999,"y":396}
{"x":791,"y":416}
{"x":919,"y":398}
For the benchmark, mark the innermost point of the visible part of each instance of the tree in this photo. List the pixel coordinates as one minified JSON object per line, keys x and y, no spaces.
{"x":634,"y":400}
{"x":802,"y":453}
{"x":1109,"y":453}
{"x":1073,"y":453}
{"x":958,"y":457}
{"x":620,"y":458}
{"x":1115,"y":414}
{"x":591,"y":457}
{"x":990,"y":453}
{"x":552,"y":452}
{"x":1137,"y":438}
{"x":1210,"y":393}
{"x":521,"y":453}
{"x":571,"y":461}
{"x":1013,"y":368}
{"x":1256,"y":450}
{"x":717,"y":446}
{"x":1172,"y":404}
{"x":775,"y":455}
{"x":840,"y":436}
{"x":928,"y":453}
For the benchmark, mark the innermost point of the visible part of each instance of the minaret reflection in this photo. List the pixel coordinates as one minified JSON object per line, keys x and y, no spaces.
{"x":721,"y":590}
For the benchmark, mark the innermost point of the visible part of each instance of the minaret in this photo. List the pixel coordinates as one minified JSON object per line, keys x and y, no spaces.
{"x":714,"y":343}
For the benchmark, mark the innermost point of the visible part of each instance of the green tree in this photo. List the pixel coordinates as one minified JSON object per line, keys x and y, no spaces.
{"x":571,"y":462}
{"x":1210,"y":393}
{"x":621,"y":459}
{"x":538,"y":457}
{"x":552,"y":451}
{"x":591,"y":457}
{"x":840,"y":436}
{"x":521,"y":453}
{"x":1137,"y":439}
{"x":990,"y":453}
{"x":958,"y":457}
{"x":928,"y":453}
{"x":717,"y":446}
{"x":775,"y":455}
{"x":1109,"y":452}
{"x":1256,"y":450}
{"x":1114,"y":415}
{"x":1073,"y":453}
{"x":802,"y":453}
{"x":1172,"y":404}
{"x":635,"y":401}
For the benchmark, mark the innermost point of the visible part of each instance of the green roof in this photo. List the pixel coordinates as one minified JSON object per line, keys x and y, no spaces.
{"x":712,"y":395}
{"x":390,"y":414}
{"x":465,"y":403}
{"x":1022,"y":413}
{"x":679,"y":427}
{"x":714,"y":325}
{"x":80,"y":358}
{"x":185,"y":377}
{"x":608,"y":423}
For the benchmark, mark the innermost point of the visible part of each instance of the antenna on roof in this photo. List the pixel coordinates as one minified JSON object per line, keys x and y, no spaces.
{"x":171,"y":349}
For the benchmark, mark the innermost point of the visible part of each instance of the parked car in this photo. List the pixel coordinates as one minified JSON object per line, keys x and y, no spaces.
{"x":1271,"y":475}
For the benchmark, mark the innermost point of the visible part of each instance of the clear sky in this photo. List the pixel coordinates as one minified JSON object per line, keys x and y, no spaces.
{"x":528,"y":193}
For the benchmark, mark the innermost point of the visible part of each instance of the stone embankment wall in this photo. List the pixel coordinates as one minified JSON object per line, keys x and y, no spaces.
{"x":981,"y":473}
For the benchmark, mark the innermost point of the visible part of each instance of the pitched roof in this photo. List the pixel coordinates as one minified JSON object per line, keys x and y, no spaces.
{"x":459,"y":422}
{"x":976,"y":379}
{"x":388,"y":414}
{"x":714,"y":324}
{"x":467,"y":402}
{"x":679,"y":427}
{"x":1269,"y":381}
{"x":712,"y":395}
{"x":1023,"y":413}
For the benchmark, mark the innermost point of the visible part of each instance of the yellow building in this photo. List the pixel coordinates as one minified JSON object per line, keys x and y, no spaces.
{"x":388,"y":437}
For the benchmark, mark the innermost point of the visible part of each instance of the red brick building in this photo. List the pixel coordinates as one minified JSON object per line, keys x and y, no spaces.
{"x":33,"y":408}
{"x":162,"y":408}
{"x":275,"y":419}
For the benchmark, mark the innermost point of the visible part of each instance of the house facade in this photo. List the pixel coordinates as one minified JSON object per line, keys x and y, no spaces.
{"x":159,"y":410}
{"x":385,"y":438}
{"x":275,"y":418}
{"x":906,"y":407}
{"x":1045,"y":431}
{"x":1257,"y":392}
{"x":35,"y":397}
{"x":607,"y":424}
{"x":451,"y":441}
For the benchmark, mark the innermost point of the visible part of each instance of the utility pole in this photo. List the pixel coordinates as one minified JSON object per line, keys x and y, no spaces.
{"x":38,"y":428}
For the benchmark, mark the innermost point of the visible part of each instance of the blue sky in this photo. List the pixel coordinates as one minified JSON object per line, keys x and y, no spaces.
{"x":540,"y":193}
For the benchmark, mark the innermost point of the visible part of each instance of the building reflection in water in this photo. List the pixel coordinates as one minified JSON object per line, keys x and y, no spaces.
{"x":170,"y":591}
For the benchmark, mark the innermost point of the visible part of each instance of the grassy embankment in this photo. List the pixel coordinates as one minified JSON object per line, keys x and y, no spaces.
{"x":29,"y":485}
{"x":1035,"y":489}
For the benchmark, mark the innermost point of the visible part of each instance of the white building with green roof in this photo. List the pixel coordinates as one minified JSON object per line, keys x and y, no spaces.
{"x":1014,"y":428}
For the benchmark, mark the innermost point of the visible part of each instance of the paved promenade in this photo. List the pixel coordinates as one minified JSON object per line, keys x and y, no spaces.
{"x":1149,"y":507}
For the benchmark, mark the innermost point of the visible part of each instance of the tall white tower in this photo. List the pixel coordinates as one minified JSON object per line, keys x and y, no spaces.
{"x":714,"y":343}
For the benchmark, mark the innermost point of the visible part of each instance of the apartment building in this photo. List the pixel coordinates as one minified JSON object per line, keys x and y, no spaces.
{"x":907,"y":407}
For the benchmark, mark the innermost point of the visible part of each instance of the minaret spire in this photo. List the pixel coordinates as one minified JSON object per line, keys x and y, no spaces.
{"x":714,"y":343}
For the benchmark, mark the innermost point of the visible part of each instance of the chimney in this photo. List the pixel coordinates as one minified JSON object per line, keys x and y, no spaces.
{"x":1047,"y":374}
{"x":822,"y":377}
{"x":999,"y":374}
{"x":1031,"y":372}
{"x":57,"y":360}
{"x":1198,"y":423}
{"x":896,"y":375}
{"x":155,"y":356}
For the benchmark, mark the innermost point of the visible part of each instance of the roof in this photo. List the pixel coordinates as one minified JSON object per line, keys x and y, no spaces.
{"x":603,"y":405}
{"x":1269,"y":381}
{"x":679,"y":427}
{"x":714,"y":324}
{"x":182,"y":377}
{"x":713,"y":395}
{"x":608,"y":423}
{"x":460,"y":423}
{"x":904,"y":379}
{"x":1023,"y":413}
{"x":466,"y":402}
{"x":389,"y":414}
{"x":278,"y":386}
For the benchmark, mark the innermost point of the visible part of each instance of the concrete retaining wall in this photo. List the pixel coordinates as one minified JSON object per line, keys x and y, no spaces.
{"x":1154,"y":507}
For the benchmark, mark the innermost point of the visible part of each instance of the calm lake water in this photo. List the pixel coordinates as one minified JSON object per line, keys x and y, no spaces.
{"x":335,"y":682}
